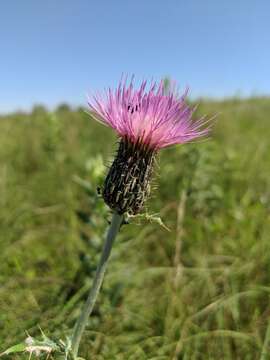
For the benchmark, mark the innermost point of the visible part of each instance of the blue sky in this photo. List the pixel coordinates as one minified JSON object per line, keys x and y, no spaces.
{"x":57,"y":51}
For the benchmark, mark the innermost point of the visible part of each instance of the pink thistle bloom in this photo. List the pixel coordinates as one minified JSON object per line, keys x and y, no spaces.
{"x":146,"y":120}
{"x":155,"y":118}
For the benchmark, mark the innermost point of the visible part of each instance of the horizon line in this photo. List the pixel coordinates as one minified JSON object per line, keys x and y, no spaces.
{"x":77,"y":106}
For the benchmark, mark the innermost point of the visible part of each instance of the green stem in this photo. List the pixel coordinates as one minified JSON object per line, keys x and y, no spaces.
{"x":90,"y":302}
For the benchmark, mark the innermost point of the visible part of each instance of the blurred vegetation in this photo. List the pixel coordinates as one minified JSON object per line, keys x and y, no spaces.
{"x":200,"y":291}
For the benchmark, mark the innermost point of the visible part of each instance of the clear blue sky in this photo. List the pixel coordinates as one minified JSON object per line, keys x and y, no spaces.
{"x":58,"y":50}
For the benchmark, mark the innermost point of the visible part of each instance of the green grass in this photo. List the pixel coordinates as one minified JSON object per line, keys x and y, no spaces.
{"x":200,"y":291}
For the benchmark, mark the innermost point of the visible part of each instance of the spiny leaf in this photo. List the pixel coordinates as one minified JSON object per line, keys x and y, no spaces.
{"x":32,"y":345}
{"x":14,"y":349}
{"x":151,"y":218}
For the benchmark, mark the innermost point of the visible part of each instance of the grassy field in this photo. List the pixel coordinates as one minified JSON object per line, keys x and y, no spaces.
{"x":198,"y":291}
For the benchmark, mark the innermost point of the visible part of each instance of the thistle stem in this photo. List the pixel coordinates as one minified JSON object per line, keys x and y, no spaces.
{"x":90,"y":302}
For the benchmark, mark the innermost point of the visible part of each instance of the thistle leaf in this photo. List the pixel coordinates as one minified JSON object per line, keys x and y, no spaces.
{"x":153,"y":218}
{"x":15,"y":349}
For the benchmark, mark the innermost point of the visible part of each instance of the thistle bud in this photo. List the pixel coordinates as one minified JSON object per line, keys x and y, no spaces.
{"x":127,"y":185}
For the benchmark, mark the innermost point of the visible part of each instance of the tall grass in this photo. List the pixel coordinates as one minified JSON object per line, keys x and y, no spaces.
{"x":200,"y":291}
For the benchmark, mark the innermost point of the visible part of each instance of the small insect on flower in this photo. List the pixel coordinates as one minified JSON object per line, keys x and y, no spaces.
{"x":146,"y":120}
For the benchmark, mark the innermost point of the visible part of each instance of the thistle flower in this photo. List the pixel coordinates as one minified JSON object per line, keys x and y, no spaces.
{"x":146,"y":120}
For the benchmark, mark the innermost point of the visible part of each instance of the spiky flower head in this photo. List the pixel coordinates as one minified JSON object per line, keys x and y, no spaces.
{"x":146,"y":119}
